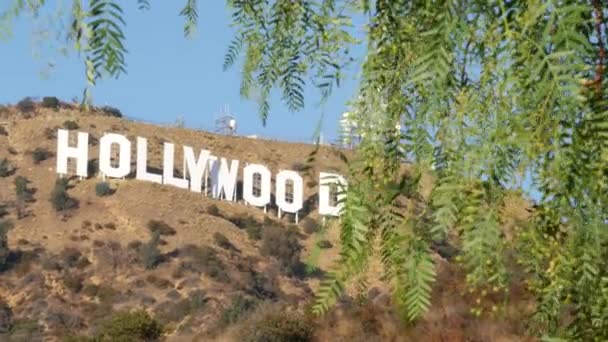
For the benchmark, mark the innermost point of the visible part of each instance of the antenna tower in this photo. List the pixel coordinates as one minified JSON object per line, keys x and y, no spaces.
{"x":225,"y":122}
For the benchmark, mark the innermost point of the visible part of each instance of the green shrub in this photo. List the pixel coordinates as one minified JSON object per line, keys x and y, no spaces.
{"x":283,"y":244}
{"x":205,"y":260}
{"x":271,"y":324}
{"x":175,"y":311}
{"x":161,"y":227}
{"x":40,"y":154}
{"x":50,"y":102}
{"x":131,"y":326}
{"x":6,"y":168}
{"x":239,"y":306}
{"x":243,"y":221}
{"x":26,"y":105}
{"x":158,"y":282}
{"x":111,"y":111}
{"x":251,"y":226}
{"x":70,"y":257}
{"x":213,"y":210}
{"x":103,"y":189}
{"x":105,"y":294}
{"x":60,"y":198}
{"x":70,"y":125}
{"x":22,"y":191}
{"x":4,"y":250}
{"x":254,"y":232}
{"x":150,"y":254}
{"x":310,"y":225}
{"x":300,"y":167}
{"x":262,"y":287}
{"x":73,"y":282}
{"x":222,"y":241}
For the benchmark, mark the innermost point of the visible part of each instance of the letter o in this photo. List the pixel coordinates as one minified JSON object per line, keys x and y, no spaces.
{"x":298,"y":191}
{"x":124,"y":160}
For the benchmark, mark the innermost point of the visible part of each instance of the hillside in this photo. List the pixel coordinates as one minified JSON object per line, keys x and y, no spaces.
{"x":69,"y":271}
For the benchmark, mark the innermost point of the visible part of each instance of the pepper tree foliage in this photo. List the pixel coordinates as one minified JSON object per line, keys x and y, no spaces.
{"x":485,"y":93}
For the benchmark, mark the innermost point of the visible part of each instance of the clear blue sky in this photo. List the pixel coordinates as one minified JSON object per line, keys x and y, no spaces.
{"x":168,"y":75}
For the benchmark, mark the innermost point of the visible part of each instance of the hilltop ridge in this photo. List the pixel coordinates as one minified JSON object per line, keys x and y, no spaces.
{"x":69,"y":270}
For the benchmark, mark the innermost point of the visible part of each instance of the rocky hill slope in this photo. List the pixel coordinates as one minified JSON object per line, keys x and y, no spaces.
{"x":201,"y":268}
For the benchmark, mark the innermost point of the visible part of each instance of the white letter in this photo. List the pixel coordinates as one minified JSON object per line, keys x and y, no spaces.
{"x":142,"y":163}
{"x":248,"y":172}
{"x":124,"y":161}
{"x":225,"y":179}
{"x":213,"y":174}
{"x":80,"y":152}
{"x":325,"y":181}
{"x":195,"y":168}
{"x":298,"y":191}
{"x":168,"y":174}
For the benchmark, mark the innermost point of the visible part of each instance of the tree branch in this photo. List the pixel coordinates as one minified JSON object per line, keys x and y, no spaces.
{"x":599,"y":70}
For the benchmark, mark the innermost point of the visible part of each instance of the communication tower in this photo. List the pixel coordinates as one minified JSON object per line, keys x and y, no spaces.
{"x":225,"y":122}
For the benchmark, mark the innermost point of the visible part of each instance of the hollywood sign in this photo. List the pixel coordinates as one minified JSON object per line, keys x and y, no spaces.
{"x":200,"y":173}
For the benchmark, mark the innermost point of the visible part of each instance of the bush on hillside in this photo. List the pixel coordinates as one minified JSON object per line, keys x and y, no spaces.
{"x":73,"y":282}
{"x":176,"y":310}
{"x":161,"y":227}
{"x":222,"y":241}
{"x":50,"y":102}
{"x":213,"y":210}
{"x":254,"y":231}
{"x":251,"y":226}
{"x":131,"y":326}
{"x":204,"y":260}
{"x":111,"y":111}
{"x":150,"y":254}
{"x":26,"y":105}
{"x":3,"y":131}
{"x":103,"y":189}
{"x":300,"y":167}
{"x":50,"y":133}
{"x":4,"y":250}
{"x":243,"y":221}
{"x":310,"y":225}
{"x":60,"y":199}
{"x":239,"y":306}
{"x":40,"y":154}
{"x":70,"y":257}
{"x":272,"y":324}
{"x":70,"y":125}
{"x":284,"y":245}
{"x":6,"y":168}
{"x":22,"y":191}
